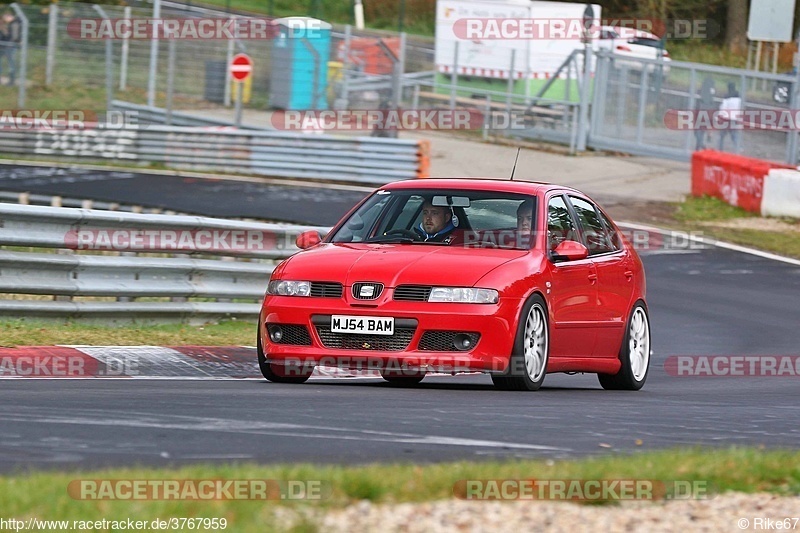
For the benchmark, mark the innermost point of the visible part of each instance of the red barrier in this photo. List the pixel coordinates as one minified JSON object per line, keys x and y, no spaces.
{"x":736,"y":179}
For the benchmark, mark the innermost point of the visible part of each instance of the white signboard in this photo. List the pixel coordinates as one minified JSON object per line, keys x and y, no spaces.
{"x":489,"y":56}
{"x":771,"y":20}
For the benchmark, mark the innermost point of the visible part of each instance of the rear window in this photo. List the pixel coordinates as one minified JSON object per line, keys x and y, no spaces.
{"x":646,"y":42}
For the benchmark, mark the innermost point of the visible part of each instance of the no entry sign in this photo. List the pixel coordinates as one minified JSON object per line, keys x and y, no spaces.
{"x":241,"y":67}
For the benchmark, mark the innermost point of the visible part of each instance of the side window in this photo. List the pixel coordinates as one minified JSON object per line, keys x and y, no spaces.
{"x":596,"y":236}
{"x":614,"y":238}
{"x":560,"y":226}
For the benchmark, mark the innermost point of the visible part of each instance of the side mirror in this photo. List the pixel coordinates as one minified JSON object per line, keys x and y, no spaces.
{"x":307,"y":239}
{"x":569,"y":251}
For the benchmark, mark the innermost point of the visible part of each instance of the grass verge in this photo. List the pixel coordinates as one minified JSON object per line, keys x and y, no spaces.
{"x":44,"y":495}
{"x":33,"y":333}
{"x":781,"y":244}
{"x":719,"y":220}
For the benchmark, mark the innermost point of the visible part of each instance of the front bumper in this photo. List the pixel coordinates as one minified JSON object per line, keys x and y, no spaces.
{"x":494,"y":323}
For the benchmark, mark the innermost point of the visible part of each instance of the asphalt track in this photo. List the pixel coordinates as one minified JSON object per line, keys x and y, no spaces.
{"x":310,"y":204}
{"x":702,"y":302}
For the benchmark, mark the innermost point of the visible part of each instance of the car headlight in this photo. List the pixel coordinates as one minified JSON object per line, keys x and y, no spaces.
{"x":464,"y":295}
{"x":289,"y":288}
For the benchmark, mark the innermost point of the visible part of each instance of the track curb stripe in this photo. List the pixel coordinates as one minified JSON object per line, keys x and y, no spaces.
{"x":143,"y":362}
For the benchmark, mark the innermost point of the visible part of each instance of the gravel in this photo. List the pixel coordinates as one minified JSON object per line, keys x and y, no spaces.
{"x":718,"y":513}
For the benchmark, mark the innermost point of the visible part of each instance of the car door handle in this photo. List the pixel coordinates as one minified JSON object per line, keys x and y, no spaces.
{"x":592,"y":277}
{"x":629,"y":274}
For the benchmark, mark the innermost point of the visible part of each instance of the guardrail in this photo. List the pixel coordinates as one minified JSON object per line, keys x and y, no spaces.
{"x":270,"y":153}
{"x":146,"y":114}
{"x":360,"y":81}
{"x":124,"y":266}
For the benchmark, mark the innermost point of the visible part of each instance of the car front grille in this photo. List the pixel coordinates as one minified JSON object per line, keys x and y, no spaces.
{"x":294,"y":334}
{"x":444,"y":341}
{"x":353,"y":341}
{"x":412,"y":293}
{"x":321,"y":289}
{"x":377,"y":289}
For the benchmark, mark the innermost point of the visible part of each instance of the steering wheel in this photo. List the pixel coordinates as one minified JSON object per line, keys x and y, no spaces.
{"x":404,"y":233}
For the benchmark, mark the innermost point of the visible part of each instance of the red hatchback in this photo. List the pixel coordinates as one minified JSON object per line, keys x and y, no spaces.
{"x":515,"y":279}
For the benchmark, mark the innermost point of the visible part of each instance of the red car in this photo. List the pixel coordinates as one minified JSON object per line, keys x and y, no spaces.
{"x":525,"y":279}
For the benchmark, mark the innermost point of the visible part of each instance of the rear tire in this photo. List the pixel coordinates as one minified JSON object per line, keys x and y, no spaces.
{"x":527,"y":366}
{"x":634,"y":354}
{"x":280,"y":373}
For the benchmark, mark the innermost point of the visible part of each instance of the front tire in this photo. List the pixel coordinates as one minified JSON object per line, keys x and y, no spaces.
{"x":634,"y":354}
{"x":527,"y":366}
{"x":280,"y":373}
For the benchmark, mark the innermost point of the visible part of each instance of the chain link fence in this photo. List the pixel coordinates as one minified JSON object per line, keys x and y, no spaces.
{"x":200,"y":66}
{"x":634,"y":102}
{"x":643,"y":107}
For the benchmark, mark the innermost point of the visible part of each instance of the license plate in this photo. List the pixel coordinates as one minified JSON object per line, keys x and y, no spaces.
{"x":369,"y":325}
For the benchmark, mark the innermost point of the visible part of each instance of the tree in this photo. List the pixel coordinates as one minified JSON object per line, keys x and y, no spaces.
{"x":736,"y":26}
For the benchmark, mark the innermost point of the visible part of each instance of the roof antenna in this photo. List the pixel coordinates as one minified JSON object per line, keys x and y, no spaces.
{"x":515,"y":164}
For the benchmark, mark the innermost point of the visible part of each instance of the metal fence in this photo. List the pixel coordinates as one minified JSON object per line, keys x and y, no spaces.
{"x":147,"y":115}
{"x":629,"y":97}
{"x":636,"y":103}
{"x":501,"y":106}
{"x":270,"y":153}
{"x":199,"y":73}
{"x":221,"y":268}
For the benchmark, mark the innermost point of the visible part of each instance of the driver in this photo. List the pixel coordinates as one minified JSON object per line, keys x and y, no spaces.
{"x":437,"y":223}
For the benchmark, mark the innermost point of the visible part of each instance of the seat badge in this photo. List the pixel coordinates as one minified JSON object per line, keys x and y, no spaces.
{"x":366,"y":291}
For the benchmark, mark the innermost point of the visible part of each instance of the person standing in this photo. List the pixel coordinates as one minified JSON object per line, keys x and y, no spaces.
{"x":730,"y":111}
{"x":704,"y":106}
{"x":10,"y":37}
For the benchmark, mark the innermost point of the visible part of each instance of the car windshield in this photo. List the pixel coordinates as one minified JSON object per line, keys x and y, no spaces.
{"x":442,"y":217}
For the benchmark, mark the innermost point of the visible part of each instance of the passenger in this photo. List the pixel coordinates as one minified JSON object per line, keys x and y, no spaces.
{"x":524,"y":224}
